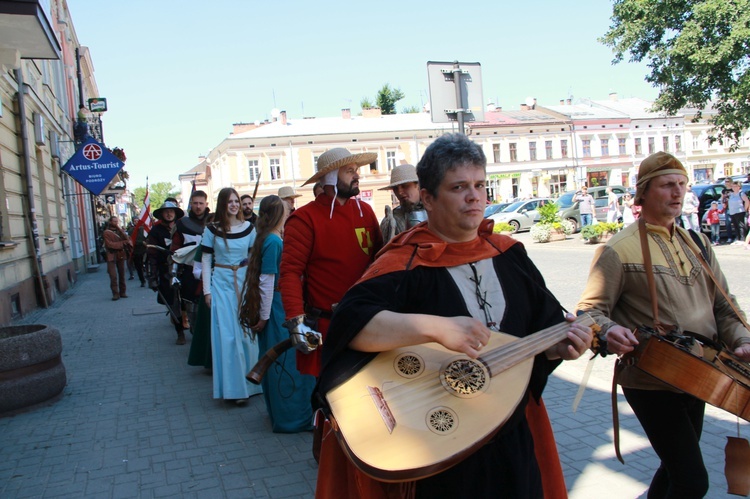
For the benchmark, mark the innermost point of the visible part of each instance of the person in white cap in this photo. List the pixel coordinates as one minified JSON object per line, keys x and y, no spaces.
{"x":328,"y":243}
{"x":410,"y":211}
{"x":288,"y":195}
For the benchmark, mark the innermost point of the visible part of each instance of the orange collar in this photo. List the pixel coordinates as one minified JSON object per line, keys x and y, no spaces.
{"x":420,"y":247}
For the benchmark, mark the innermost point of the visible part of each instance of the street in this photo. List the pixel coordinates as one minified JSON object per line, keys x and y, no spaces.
{"x":136,"y":421}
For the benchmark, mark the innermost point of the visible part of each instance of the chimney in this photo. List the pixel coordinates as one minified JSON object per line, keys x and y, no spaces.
{"x":569,"y":101}
{"x":613,"y":96}
{"x":373,"y":112}
{"x":283,"y":117}
{"x":524,"y":107}
{"x":346,"y":114}
{"x":243,"y":127}
{"x":562,"y":102}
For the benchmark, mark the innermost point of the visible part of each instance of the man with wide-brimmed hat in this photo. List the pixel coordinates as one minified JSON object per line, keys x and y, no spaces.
{"x":328,"y":243}
{"x":158,"y":245}
{"x":288,"y":195}
{"x":651,"y":274}
{"x":409,"y":212}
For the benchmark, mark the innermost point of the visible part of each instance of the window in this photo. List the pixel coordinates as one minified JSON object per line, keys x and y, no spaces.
{"x":564,"y":148}
{"x":651,"y":145}
{"x":513,"y":152}
{"x":605,"y":147}
{"x":638,"y":148}
{"x":558,"y":184}
{"x":254,"y":171}
{"x":496,"y":152}
{"x":665,"y":144}
{"x":621,"y":146}
{"x":532,"y":151}
{"x":275,"y":168}
{"x":390,"y":160}
{"x":677,"y":143}
{"x":696,"y":142}
{"x":586,"y":143}
{"x":548,"y":149}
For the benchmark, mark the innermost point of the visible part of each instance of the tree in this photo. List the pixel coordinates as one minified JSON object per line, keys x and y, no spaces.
{"x":387,"y":98}
{"x":365,"y":103}
{"x":157,"y":192}
{"x":697,"y":51}
{"x":411,"y":110}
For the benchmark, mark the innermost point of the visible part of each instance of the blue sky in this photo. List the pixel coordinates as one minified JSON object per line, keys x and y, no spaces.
{"x":177,"y":74}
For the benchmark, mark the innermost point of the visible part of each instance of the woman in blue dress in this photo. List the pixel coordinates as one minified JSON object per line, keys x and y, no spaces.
{"x":287,"y":392}
{"x":226,"y":243}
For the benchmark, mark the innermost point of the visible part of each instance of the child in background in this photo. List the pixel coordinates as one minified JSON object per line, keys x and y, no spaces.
{"x":713,"y":219}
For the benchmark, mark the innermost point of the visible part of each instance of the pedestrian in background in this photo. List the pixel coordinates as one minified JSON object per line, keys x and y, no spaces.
{"x":287,"y":392}
{"x":613,"y":210}
{"x":117,"y":245}
{"x":712,"y":217}
{"x":289,"y":196}
{"x":247,"y":202}
{"x":690,"y":210}
{"x":405,"y":186}
{"x":225,"y":245}
{"x":737,"y":207}
{"x":585,"y":206}
{"x":139,"y":251}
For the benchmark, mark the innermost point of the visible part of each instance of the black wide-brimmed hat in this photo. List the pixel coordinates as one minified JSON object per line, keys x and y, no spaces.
{"x":169,"y":205}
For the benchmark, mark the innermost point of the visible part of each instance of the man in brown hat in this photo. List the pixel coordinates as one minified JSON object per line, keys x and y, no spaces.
{"x":618,"y":298}
{"x":409,"y":212}
{"x":328,"y":243}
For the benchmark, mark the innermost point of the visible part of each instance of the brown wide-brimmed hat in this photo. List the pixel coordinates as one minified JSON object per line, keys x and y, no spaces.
{"x":286,"y":191}
{"x":401,"y":174}
{"x":338,"y":157}
{"x":169,"y":205}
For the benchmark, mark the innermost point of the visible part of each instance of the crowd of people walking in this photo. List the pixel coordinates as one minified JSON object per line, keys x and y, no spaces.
{"x":315,"y":291}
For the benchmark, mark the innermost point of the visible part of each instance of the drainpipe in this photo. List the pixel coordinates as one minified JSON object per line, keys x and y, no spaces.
{"x":40,"y":277}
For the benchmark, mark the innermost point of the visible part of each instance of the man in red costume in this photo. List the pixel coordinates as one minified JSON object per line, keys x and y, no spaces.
{"x":452,"y":281}
{"x":328,"y":244}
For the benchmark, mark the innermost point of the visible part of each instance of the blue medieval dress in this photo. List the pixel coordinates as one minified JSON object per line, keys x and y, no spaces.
{"x":233,"y":352}
{"x":286,"y":391}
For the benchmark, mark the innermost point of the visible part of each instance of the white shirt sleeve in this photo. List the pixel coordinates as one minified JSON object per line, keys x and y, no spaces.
{"x":266,"y":295}
{"x":206,"y":260}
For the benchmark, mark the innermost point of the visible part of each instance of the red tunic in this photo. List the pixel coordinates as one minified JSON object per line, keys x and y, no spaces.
{"x":323,"y":257}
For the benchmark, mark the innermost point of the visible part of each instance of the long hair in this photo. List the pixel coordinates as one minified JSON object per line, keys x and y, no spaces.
{"x":270,"y":215}
{"x":221,"y":216}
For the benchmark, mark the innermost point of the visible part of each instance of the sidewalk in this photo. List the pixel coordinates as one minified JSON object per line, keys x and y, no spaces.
{"x":136,"y":421}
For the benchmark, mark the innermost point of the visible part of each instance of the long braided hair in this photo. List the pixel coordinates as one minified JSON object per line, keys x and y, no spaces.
{"x":271,"y":214}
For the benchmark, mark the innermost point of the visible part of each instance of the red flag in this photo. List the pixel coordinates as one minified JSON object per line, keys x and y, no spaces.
{"x":144,"y":219}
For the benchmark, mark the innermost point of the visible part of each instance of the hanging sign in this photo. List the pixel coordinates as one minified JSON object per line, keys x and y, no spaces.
{"x":93,"y":166}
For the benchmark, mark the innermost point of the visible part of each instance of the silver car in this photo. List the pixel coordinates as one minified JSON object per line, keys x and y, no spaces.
{"x":521,"y":215}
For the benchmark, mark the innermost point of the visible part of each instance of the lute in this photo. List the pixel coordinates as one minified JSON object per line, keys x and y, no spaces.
{"x":415,"y":411}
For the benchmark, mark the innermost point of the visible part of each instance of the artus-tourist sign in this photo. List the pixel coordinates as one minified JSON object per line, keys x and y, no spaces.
{"x":93,"y":166}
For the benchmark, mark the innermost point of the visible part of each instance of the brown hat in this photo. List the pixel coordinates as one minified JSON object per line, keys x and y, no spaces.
{"x":338,"y":157}
{"x":401,"y":174}
{"x":659,"y":163}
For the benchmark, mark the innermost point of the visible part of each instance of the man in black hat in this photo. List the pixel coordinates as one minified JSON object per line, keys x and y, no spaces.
{"x":158,"y":243}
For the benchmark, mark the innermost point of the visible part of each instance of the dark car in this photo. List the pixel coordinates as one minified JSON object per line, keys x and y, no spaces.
{"x":494,"y":208}
{"x":569,"y":208}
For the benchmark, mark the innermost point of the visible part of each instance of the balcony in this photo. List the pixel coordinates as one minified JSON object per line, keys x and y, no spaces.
{"x":24,"y":28}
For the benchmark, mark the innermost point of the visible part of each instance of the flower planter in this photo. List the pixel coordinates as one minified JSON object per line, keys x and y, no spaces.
{"x":31,"y":370}
{"x":557,"y":236}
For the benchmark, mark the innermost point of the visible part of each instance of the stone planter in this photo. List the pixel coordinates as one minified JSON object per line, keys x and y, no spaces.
{"x":31,"y":369}
{"x":557,"y":236}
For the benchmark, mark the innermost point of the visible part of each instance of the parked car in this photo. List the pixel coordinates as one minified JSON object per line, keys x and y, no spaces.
{"x":705,"y":226}
{"x":521,"y":215}
{"x":569,"y":208}
{"x":494,"y":208}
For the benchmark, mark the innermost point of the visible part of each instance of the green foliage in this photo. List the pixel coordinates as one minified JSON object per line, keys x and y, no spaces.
{"x":158,"y":192}
{"x":411,"y":110}
{"x":591,"y":231}
{"x":387,"y":98}
{"x":610,"y":227}
{"x":502,"y":227}
{"x":698,"y":55}
{"x":366,"y":103}
{"x":548,"y":214}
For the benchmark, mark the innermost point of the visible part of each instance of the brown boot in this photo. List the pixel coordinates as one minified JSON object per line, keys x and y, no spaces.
{"x":115,"y":297}
{"x":185,"y":321}
{"x":180,"y":338}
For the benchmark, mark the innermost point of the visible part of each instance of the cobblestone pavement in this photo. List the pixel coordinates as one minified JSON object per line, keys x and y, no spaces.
{"x":136,"y":421}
